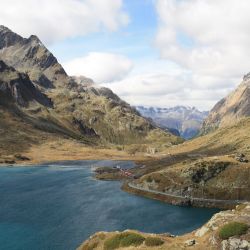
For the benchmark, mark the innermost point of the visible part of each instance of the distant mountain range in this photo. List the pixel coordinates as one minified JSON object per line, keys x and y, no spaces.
{"x":180,"y":120}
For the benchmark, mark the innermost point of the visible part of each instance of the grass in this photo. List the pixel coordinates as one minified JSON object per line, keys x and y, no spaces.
{"x":232,"y":229}
{"x":153,"y":241}
{"x":132,"y":239}
{"x":123,"y":240}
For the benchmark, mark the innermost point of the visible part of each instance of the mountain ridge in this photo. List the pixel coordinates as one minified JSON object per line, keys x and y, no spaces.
{"x":186,"y":120}
{"x":59,"y":103}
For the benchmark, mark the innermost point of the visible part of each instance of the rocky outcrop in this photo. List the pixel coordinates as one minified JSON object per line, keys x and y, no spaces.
{"x":17,"y":88}
{"x":231,"y":109}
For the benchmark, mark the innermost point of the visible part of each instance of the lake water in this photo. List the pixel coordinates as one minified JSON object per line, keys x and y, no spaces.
{"x":57,"y":206}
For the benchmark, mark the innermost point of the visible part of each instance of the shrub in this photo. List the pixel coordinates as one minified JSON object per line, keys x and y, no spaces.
{"x":232,"y":229}
{"x":132,"y":239}
{"x":149,"y":179}
{"x":123,"y":240}
{"x":153,"y":241}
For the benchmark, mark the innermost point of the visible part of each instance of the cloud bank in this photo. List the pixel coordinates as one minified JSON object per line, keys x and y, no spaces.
{"x":209,"y":37}
{"x":54,"y":20}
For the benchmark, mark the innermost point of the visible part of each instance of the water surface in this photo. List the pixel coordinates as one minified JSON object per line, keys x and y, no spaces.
{"x":57,"y":206}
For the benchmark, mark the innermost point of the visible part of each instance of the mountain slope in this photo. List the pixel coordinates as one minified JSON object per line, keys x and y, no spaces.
{"x":29,"y":55}
{"x":35,"y":88}
{"x":187,"y":121}
{"x":231,"y":108}
{"x":17,"y":87}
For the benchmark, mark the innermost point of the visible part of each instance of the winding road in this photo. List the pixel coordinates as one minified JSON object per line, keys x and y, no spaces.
{"x":233,"y":202}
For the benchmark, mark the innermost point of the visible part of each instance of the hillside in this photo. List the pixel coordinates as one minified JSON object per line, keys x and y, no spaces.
{"x":35,"y":90}
{"x":207,"y":167}
{"x":184,"y":120}
{"x":230,"y":109}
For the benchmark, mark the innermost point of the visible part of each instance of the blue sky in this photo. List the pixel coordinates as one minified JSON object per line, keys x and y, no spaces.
{"x":150,"y":52}
{"x":135,"y":40}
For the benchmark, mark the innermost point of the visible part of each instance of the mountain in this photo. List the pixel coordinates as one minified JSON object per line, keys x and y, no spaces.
{"x":35,"y":90}
{"x":17,"y":87}
{"x":230,"y":109}
{"x":185,"y":120}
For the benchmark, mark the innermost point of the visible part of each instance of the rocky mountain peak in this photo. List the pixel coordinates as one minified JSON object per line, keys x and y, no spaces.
{"x":8,"y":38}
{"x":246,"y":77}
{"x":31,"y":57}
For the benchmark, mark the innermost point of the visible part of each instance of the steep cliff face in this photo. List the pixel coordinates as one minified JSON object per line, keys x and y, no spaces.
{"x":230,"y":109}
{"x":17,"y":88}
{"x":35,"y":85}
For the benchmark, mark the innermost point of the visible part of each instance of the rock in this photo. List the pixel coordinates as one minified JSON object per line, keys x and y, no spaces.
{"x":241,"y":157}
{"x":22,"y":157}
{"x":190,"y":242}
{"x":235,"y":244}
{"x":202,"y":231}
{"x":224,"y":245}
{"x":245,"y":244}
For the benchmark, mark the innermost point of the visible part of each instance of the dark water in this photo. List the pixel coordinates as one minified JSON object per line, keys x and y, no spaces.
{"x":57,"y":206}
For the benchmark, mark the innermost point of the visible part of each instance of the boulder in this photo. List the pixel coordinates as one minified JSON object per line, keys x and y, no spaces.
{"x":190,"y":242}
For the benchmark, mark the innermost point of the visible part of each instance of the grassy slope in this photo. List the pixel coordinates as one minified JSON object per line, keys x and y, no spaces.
{"x":199,"y":164}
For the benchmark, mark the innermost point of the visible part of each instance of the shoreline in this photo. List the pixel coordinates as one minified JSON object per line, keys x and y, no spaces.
{"x":182,"y":201}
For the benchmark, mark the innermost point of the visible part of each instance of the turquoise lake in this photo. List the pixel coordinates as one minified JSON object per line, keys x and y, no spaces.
{"x":57,"y":206}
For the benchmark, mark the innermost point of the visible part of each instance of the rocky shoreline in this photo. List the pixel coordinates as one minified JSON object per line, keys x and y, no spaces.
{"x":209,"y":236}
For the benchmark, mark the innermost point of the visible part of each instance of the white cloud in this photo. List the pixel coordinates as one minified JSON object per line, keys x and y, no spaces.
{"x":208,"y":42}
{"x":169,"y":85}
{"x":101,"y":67}
{"x":218,"y":31}
{"x":54,"y":20}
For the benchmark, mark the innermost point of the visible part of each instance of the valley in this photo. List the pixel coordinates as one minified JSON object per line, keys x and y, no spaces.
{"x":47,"y":116}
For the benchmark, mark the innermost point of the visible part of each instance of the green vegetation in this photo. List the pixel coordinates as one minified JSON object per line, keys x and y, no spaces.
{"x":123,"y":240}
{"x":132,"y":239}
{"x":153,"y":241}
{"x":149,"y":179}
{"x":232,"y":229}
